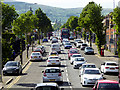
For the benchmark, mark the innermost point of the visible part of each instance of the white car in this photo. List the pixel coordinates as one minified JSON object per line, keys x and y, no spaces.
{"x":87,"y":65}
{"x":78,"y":62}
{"x":110,"y":66}
{"x":53,"y":60}
{"x":53,"y":53}
{"x":78,"y":44}
{"x":89,"y":76}
{"x":72,"y":58}
{"x":35,"y":56}
{"x":77,"y":40}
{"x":52,"y":74}
{"x":56,"y":47}
{"x":46,"y":86}
{"x":83,"y":46}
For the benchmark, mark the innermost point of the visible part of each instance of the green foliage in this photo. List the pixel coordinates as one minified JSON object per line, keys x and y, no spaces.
{"x":73,"y":23}
{"x":8,"y":15}
{"x":116,"y":18}
{"x":57,"y":26}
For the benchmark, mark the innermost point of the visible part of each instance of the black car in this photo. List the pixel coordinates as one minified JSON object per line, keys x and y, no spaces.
{"x":12,"y":67}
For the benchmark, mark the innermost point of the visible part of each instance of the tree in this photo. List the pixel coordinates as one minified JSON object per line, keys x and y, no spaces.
{"x":73,"y":23}
{"x":8,"y":15}
{"x":116,"y":18}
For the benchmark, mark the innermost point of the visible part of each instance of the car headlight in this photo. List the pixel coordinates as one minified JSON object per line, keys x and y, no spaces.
{"x":4,"y":68}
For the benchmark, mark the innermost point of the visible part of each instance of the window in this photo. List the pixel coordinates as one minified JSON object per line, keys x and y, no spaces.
{"x":52,"y":71}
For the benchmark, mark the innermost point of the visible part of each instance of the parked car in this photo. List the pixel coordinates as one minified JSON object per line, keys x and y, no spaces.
{"x":52,"y":74}
{"x":71,"y":38}
{"x":56,"y":47}
{"x":110,"y":66}
{"x":53,"y":53}
{"x":106,"y":85}
{"x":72,"y":51}
{"x":42,"y":48}
{"x":45,"y":40}
{"x":78,"y":62}
{"x":78,"y":44}
{"x":53,"y":60}
{"x":77,"y":40}
{"x":87,"y":65}
{"x":12,"y":67}
{"x":72,"y":58}
{"x":89,"y":50}
{"x":83,"y":46}
{"x":47,"y":86}
{"x":90,"y":75}
{"x":67,"y":45}
{"x":35,"y":56}
{"x":54,"y":40}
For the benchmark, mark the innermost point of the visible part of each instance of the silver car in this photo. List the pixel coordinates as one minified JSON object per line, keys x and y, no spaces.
{"x":47,"y":86}
{"x":89,"y":50}
{"x":52,"y":74}
{"x":56,"y":47}
{"x":12,"y":67}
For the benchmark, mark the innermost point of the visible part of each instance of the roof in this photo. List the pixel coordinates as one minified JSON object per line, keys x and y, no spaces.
{"x":52,"y":68}
{"x":53,"y":56}
{"x":88,"y":64}
{"x":46,"y":84}
{"x":91,"y":69}
{"x":107,"y":81}
{"x":110,"y":62}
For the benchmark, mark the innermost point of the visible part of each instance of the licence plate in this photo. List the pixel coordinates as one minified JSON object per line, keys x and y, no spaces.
{"x":53,"y":63}
{"x":9,"y":71}
{"x":35,"y":57}
{"x":112,"y":68}
{"x":52,"y":80}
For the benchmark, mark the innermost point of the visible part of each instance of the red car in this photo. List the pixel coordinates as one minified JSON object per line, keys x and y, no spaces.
{"x":106,"y":85}
{"x":72,"y":51}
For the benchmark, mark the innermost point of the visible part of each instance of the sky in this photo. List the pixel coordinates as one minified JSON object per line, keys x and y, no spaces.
{"x":72,"y":3}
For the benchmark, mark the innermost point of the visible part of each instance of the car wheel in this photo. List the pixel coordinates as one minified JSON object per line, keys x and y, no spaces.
{"x":4,"y":74}
{"x":21,"y":72}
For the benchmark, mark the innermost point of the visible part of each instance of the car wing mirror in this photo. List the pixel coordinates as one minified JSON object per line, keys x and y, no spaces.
{"x":42,"y":71}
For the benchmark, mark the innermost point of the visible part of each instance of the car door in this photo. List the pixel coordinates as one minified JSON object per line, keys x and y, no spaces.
{"x":82,"y":74}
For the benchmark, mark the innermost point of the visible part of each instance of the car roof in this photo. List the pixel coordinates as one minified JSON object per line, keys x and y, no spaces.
{"x":73,"y":48}
{"x":107,"y":81}
{"x":46,"y":84}
{"x":91,"y":69}
{"x":52,"y":68}
{"x":79,"y":57}
{"x":53,"y":56}
{"x":35,"y":52}
{"x":88,"y":64}
{"x":76,"y":54}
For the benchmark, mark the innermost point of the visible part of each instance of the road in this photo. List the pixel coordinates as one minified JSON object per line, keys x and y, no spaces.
{"x":32,"y":74}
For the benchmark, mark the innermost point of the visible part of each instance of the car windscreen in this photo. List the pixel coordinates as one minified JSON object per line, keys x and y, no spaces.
{"x":90,"y":66}
{"x":79,"y":59}
{"x":76,"y":56}
{"x":37,"y":50}
{"x":53,"y":58}
{"x":73,"y":51}
{"x":47,"y":88}
{"x":11,"y":64}
{"x":52,"y":71}
{"x":88,"y":48}
{"x":112,"y":64}
{"x":108,"y":86}
{"x":67,"y":43}
{"x":55,"y":46}
{"x":92,"y":72}
{"x":35,"y":53}
{"x":84,"y":44}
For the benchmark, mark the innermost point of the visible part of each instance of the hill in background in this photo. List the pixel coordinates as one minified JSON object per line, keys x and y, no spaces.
{"x":53,"y":13}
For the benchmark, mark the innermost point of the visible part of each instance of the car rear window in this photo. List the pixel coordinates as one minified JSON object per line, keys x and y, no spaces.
{"x":52,"y":71}
{"x":112,"y":64}
{"x":79,"y":59}
{"x":108,"y":86}
{"x":47,"y":88}
{"x":55,"y":46}
{"x":90,"y":66}
{"x":35,"y":53}
{"x":92,"y":72}
{"x":53,"y":57}
{"x":76,"y":56}
{"x":84,"y":44}
{"x":73,"y":51}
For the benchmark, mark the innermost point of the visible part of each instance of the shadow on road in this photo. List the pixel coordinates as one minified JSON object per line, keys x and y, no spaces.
{"x":26,"y":84}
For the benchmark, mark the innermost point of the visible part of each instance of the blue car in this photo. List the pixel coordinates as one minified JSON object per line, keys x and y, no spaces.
{"x":45,"y":40}
{"x":67,"y":45}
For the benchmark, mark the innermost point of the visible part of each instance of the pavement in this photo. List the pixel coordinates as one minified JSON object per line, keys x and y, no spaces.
{"x":7,"y":80}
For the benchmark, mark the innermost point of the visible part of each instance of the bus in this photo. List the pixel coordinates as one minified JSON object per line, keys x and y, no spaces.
{"x":65,"y":33}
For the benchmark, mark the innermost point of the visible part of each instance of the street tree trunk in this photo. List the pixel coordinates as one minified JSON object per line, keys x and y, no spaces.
{"x":90,"y":38}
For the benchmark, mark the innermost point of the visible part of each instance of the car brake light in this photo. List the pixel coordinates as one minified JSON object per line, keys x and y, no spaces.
{"x":106,"y":67}
{"x":48,"y":60}
{"x":117,"y":67}
{"x":57,"y":60}
{"x":59,"y":74}
{"x":39,"y":56}
{"x":45,"y":74}
{"x":31,"y":57}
